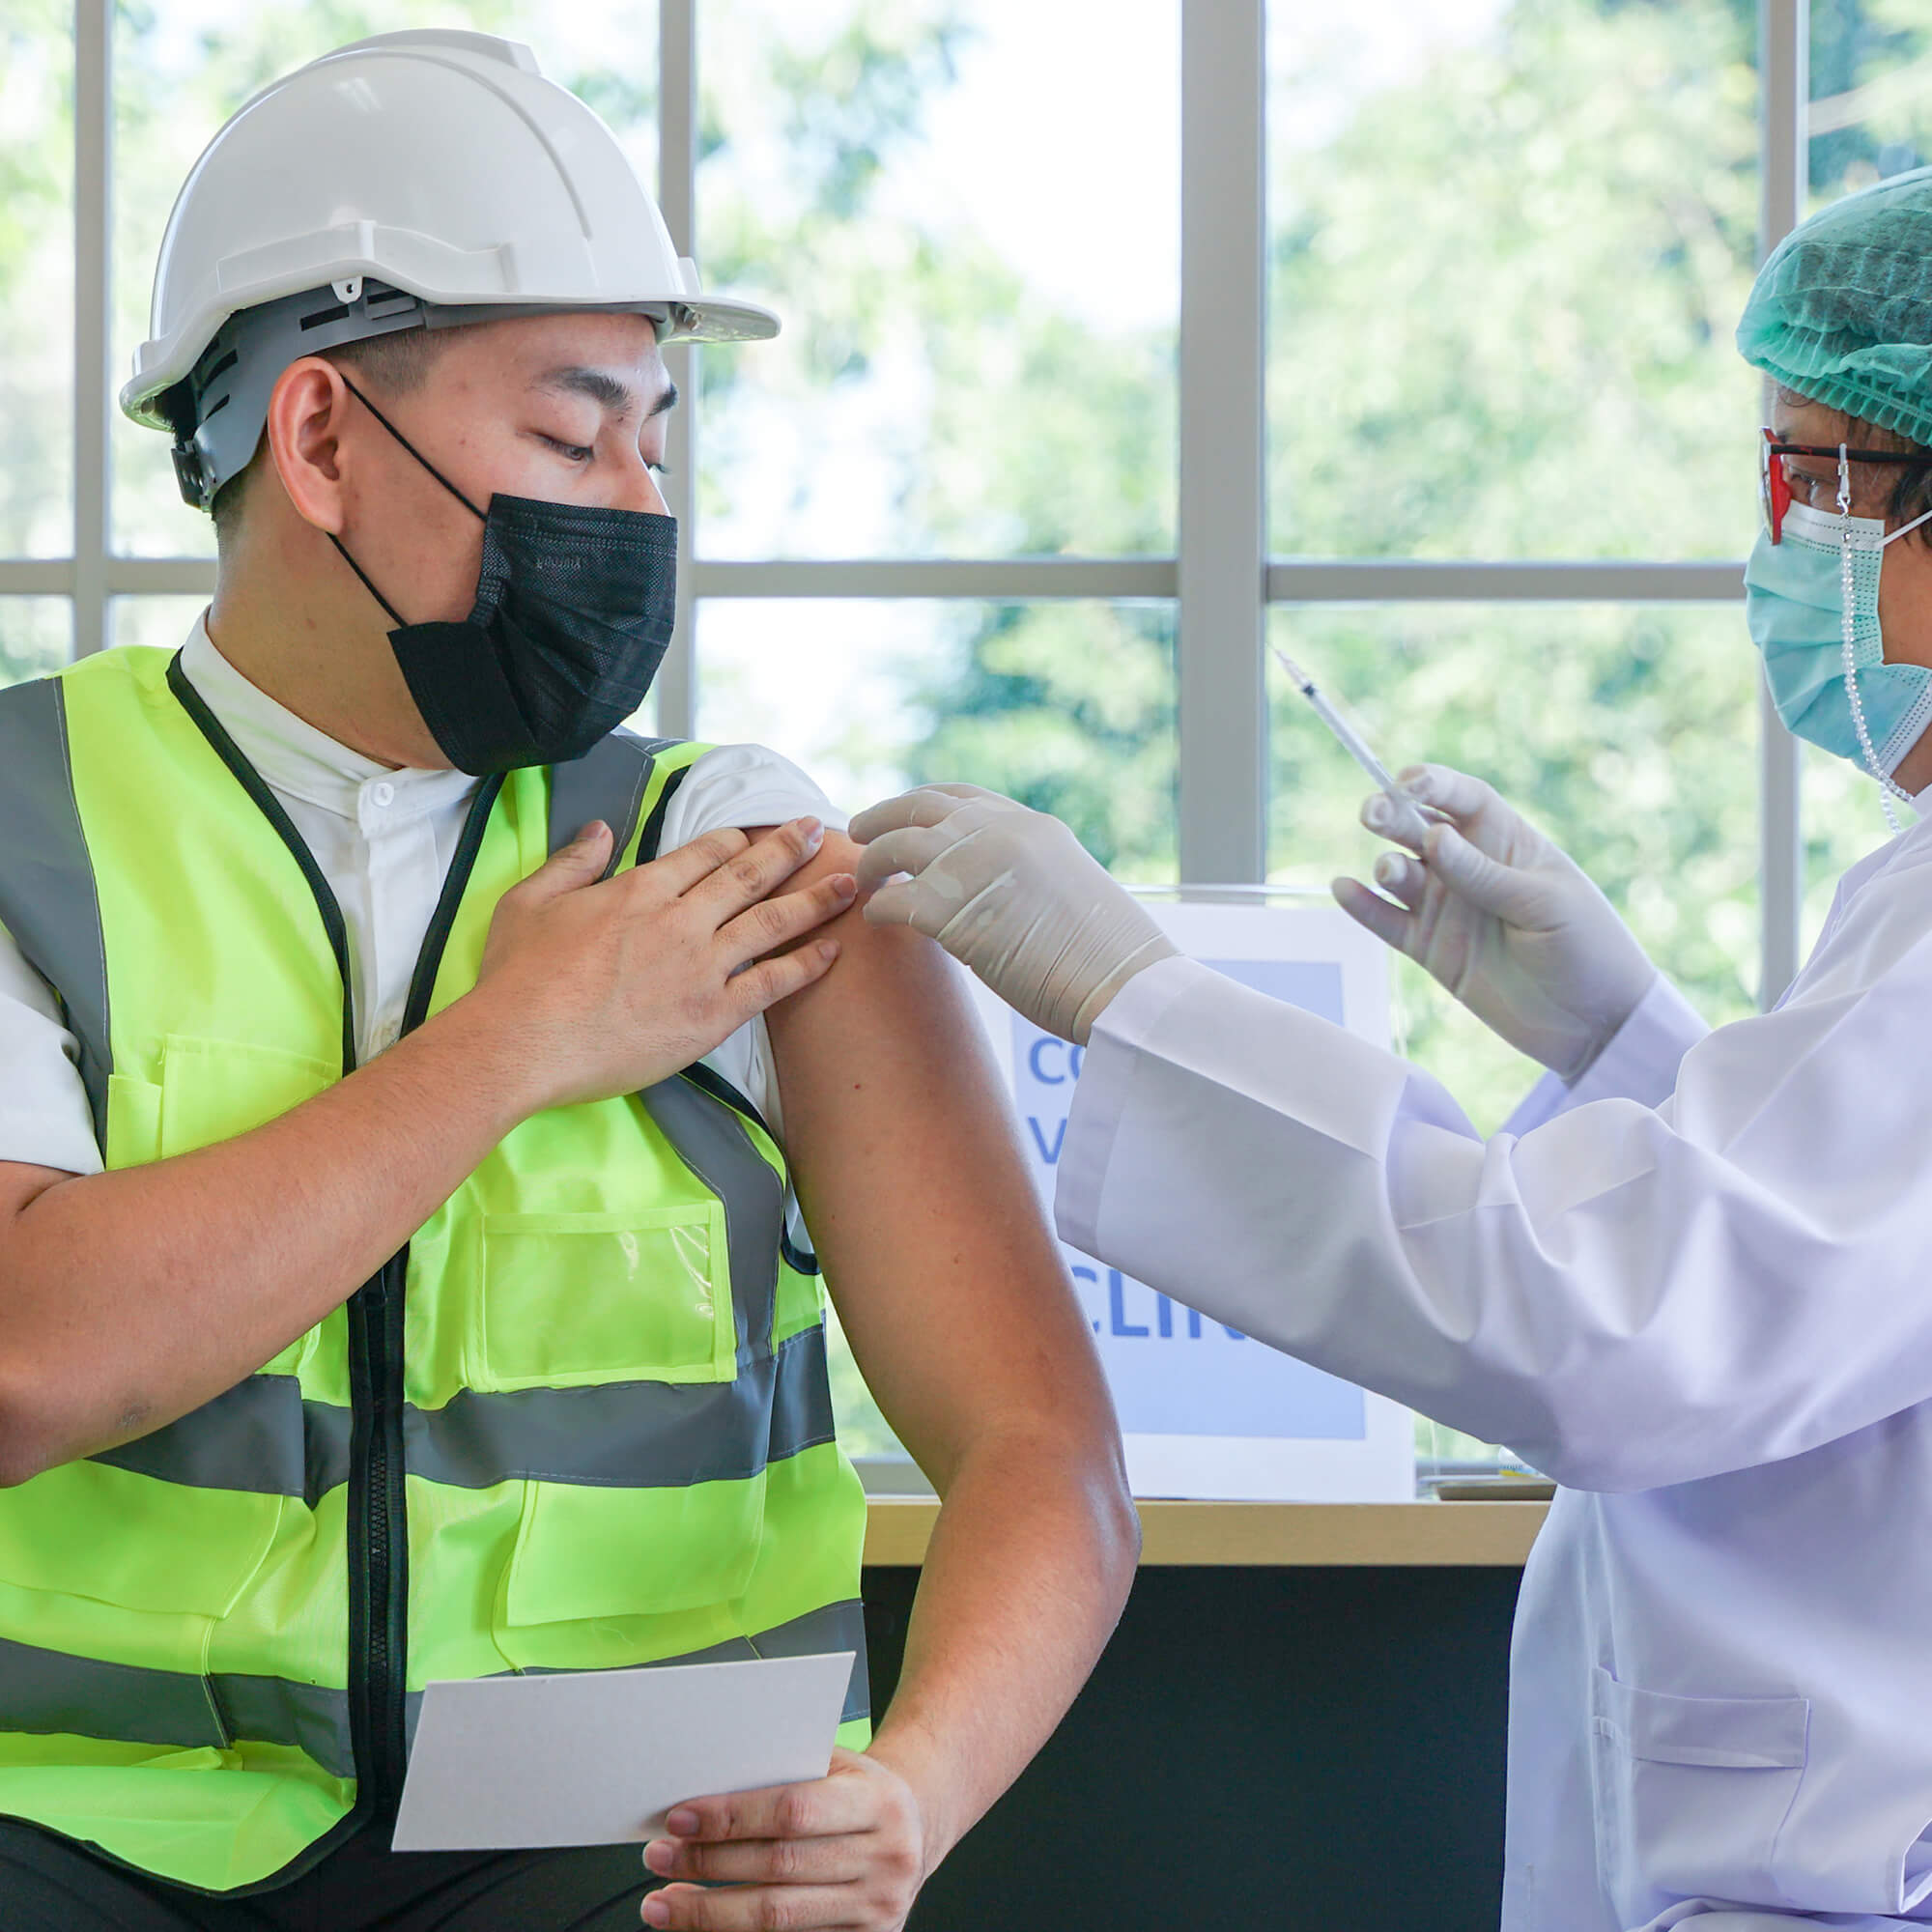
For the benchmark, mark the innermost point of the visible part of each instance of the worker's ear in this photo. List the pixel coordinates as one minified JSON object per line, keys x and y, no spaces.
{"x":306,"y":411}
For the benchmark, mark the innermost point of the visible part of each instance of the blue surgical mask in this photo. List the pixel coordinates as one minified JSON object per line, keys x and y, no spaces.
{"x":1812,"y":605}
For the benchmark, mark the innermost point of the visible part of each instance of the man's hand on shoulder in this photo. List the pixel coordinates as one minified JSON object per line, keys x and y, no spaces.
{"x":606,"y":986}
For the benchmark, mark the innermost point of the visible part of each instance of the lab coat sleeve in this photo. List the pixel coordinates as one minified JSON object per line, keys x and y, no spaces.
{"x":1640,"y":1062}
{"x":1629,"y":1296}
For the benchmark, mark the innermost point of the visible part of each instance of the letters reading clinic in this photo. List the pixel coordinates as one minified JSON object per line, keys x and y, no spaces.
{"x":1057,"y":1063}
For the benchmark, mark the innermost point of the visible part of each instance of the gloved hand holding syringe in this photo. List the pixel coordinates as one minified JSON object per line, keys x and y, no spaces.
{"x":1490,"y":908}
{"x":1404,"y":821}
{"x":1480,"y":899}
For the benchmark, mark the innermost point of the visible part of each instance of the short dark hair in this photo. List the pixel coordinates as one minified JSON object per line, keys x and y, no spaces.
{"x":393,"y":364}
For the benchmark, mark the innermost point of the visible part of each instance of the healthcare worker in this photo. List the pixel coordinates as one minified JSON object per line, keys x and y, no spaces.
{"x":415,"y":1096}
{"x":1692,"y":1279}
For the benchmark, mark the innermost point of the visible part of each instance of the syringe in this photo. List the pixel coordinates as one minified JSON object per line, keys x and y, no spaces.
{"x":1408,"y":825}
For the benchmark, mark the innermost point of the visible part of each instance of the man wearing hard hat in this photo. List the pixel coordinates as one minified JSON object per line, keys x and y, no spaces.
{"x":405,"y":1248}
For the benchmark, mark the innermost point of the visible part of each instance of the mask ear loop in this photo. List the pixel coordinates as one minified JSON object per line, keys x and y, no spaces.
{"x":395,"y":616}
{"x":1846,"y":598}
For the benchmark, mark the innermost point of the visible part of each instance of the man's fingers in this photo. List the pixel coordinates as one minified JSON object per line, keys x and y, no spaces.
{"x":676,"y":872}
{"x":761,"y":1860}
{"x":761,"y":867}
{"x":910,"y":849}
{"x":836,"y":1908}
{"x":763,"y":985}
{"x":571,"y":866}
{"x":827,"y":1807}
{"x":787,"y":915}
{"x":1389,"y":924}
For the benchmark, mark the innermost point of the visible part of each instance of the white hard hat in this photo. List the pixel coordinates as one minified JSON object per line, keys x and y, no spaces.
{"x":442,"y":165}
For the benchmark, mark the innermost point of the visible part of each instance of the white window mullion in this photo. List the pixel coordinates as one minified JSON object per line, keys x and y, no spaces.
{"x":1402,"y":580}
{"x":93,"y":45}
{"x":1784,"y":48}
{"x":1223,"y":530}
{"x":677,"y":168}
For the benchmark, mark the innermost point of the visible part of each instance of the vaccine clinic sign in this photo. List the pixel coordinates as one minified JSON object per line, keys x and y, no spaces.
{"x":1205,"y":1410}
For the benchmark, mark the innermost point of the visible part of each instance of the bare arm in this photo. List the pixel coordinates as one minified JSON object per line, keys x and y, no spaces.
{"x":960,"y":1312}
{"x":129,"y":1298}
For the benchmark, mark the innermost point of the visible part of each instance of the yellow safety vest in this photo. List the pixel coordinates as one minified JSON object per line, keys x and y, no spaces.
{"x":581,"y":1421}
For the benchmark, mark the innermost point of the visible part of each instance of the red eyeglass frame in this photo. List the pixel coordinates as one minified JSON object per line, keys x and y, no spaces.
{"x":1775,"y":486}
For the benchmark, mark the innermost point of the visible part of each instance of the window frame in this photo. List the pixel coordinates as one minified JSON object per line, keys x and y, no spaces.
{"x":1222,"y":578}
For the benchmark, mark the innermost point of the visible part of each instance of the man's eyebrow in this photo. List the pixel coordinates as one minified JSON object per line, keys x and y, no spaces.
{"x":603,"y":387}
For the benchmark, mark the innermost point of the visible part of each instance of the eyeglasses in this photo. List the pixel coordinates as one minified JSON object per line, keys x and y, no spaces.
{"x":1774,"y":486}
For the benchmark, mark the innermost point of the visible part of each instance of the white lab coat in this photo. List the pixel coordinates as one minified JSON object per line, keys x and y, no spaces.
{"x":1697,"y":1290}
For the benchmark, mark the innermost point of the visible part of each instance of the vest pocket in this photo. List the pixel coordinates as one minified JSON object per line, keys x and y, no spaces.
{"x":1689,"y":1793}
{"x":217,"y":1090}
{"x":183,"y":1552}
{"x":134,"y":1122}
{"x":573,"y":1300}
{"x":596,"y":1553}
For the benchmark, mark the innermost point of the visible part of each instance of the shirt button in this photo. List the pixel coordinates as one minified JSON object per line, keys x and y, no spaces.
{"x":384,"y":792}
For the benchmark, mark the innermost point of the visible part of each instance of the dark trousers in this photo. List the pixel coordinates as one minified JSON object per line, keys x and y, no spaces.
{"x":49,"y":1884}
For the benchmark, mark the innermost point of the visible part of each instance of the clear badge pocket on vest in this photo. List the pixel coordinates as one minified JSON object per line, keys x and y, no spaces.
{"x":573,"y":1300}
{"x":1691,"y":1792}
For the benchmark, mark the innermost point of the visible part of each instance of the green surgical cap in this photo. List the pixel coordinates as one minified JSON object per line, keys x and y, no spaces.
{"x":1842,"y":311}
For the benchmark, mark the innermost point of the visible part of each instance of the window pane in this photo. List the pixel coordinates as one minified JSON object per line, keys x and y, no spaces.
{"x":1069,"y":706}
{"x":1511,"y":240}
{"x":37,"y":279}
{"x":967,"y":214}
{"x":161,"y":622}
{"x":36,"y":636}
{"x":1627,"y":733}
{"x":182,"y":67}
{"x":1871,"y":93}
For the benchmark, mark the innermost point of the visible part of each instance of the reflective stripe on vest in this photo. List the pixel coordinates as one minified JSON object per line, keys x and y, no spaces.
{"x":260,"y":1437}
{"x":46,"y":885}
{"x":616,"y":1439}
{"x":52,"y":1693}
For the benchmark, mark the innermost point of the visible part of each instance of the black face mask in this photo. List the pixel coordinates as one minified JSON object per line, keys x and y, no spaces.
{"x":574,"y":611}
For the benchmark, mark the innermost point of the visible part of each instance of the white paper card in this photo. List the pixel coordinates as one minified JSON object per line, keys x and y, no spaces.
{"x":598,"y":1757}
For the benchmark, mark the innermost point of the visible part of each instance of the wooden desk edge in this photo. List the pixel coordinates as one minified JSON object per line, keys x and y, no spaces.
{"x":1490,"y":1535}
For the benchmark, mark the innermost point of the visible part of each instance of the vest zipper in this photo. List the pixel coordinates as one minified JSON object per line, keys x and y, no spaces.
{"x":377,"y":1538}
{"x":378,"y":1504}
{"x":378,"y":1499}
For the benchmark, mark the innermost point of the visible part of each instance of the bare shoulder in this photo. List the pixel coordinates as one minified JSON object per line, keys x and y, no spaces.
{"x":886,"y":978}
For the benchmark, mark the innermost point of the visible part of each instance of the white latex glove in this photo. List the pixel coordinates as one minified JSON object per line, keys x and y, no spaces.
{"x":1011,"y":894}
{"x":1505,"y":920}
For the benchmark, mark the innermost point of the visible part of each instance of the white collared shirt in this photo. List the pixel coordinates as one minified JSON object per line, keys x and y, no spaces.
{"x":384,"y":840}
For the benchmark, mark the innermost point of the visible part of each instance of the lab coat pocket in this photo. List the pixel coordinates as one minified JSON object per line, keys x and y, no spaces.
{"x":573,"y":1300}
{"x":1691,"y":1793}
